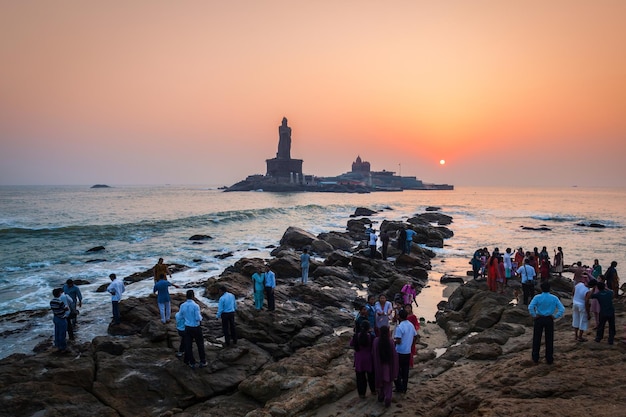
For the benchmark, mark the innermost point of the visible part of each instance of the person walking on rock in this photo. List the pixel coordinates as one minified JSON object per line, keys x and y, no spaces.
{"x":226,"y":307}
{"x":193,"y":332}
{"x":161,"y":288}
{"x":161,"y":269}
{"x":544,"y":308}
{"x":116,"y":289}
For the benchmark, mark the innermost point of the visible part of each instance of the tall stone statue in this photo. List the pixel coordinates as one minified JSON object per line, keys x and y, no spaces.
{"x":284,"y":142}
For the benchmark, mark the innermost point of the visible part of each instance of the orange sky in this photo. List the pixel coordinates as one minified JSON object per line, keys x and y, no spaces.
{"x":152,"y":92}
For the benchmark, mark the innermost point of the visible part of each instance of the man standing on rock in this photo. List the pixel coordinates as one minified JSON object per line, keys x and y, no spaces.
{"x":372,"y":243}
{"x":116,"y":289}
{"x":77,"y":299}
{"x":226,"y":307}
{"x":404,"y":337}
{"x":607,"y":312}
{"x":527,"y":272}
{"x":59,"y":311}
{"x":193,"y":332}
{"x":384,"y":239}
{"x":270,"y":285}
{"x":409,"y":240}
{"x":304,"y":263}
{"x":544,"y":308}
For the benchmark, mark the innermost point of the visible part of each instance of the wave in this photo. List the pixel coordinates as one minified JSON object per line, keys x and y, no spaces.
{"x":141,"y":230}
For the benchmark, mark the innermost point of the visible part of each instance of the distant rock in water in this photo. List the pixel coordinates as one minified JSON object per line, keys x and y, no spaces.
{"x":432,"y":208}
{"x":541,"y":229}
{"x":594,"y":225}
{"x":362,"y":211}
{"x":96,"y":249}
{"x":200,"y":237}
{"x":93,"y":261}
{"x":100,"y":186}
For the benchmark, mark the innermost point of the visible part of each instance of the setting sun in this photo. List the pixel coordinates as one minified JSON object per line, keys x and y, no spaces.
{"x":442,"y":162}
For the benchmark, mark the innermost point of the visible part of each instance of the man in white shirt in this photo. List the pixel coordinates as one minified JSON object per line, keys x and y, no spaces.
{"x":116,"y":289}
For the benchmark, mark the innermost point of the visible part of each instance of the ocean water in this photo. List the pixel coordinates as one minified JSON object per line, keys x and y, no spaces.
{"x":45,"y":233}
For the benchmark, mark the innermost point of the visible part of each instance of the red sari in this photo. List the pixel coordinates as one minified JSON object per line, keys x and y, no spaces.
{"x":413,"y":319}
{"x":492,"y":273}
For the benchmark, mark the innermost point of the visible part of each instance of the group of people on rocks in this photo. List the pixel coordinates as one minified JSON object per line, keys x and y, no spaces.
{"x":499,"y":267}
{"x":264,"y":284}
{"x":188,"y":318}
{"x":592,"y":295}
{"x":384,"y":343}
{"x":404,"y":241}
{"x":64,"y":305}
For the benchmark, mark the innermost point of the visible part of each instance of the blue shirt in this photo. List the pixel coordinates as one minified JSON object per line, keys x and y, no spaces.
{"x":191,"y":313}
{"x":73,"y":292}
{"x":180,"y":322}
{"x":161,"y":287}
{"x":270,"y":279}
{"x":304,"y":259}
{"x":527,"y":273}
{"x":226,"y":304}
{"x":409,"y":235}
{"x":545,"y":304}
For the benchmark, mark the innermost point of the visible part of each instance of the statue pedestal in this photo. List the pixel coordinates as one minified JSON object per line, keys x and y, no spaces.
{"x":284,"y":169}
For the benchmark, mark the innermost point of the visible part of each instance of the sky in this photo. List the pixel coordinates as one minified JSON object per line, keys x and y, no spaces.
{"x":513,"y":93}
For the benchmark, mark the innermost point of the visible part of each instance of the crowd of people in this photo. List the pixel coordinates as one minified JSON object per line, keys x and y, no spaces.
{"x":592,"y":295}
{"x":384,"y":341}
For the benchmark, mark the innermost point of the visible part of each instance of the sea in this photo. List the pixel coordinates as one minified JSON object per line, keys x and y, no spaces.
{"x":46,"y":232}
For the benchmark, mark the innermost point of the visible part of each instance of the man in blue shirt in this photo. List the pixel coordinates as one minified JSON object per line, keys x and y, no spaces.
{"x":409,"y":240}
{"x":404,"y":337}
{"x":77,"y":299}
{"x":191,"y":313}
{"x":544,"y":308}
{"x":607,"y":312}
{"x":163,"y":297}
{"x":528,"y":273}
{"x":304,"y":263}
{"x":270,"y":285}
{"x":226,"y":307}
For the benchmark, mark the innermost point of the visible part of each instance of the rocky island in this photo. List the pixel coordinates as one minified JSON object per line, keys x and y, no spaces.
{"x":296,"y":361}
{"x":284,"y":174}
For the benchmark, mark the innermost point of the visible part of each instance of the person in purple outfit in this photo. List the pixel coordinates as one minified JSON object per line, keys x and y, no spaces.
{"x":385,"y":365}
{"x":363,"y":364}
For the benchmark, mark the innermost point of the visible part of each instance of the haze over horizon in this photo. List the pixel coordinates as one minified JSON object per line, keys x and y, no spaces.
{"x":154,"y":92}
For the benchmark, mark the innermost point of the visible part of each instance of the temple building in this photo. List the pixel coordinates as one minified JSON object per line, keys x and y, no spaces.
{"x":283,"y":168}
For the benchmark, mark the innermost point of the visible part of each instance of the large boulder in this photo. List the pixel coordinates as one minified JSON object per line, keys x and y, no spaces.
{"x":297,"y":238}
{"x":341,"y":241}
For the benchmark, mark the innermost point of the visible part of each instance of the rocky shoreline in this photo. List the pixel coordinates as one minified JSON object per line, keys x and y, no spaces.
{"x":296,"y":361}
